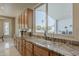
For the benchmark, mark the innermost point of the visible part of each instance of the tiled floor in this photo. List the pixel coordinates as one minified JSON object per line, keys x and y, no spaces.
{"x":7,"y":48}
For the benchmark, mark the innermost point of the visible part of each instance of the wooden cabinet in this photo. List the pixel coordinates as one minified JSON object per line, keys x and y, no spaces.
{"x":17,"y":44}
{"x":30,"y":18}
{"x":26,"y":19}
{"x":21,"y":49}
{"x":39,"y":51}
{"x":24,"y":47}
{"x":20,"y":45}
{"x":29,"y":48}
{"x":52,"y":53}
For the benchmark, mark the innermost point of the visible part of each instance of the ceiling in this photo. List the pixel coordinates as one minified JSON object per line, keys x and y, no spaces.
{"x":11,"y":9}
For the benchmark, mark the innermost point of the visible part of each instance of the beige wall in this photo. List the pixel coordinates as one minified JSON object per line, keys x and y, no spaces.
{"x":1,"y":29}
{"x":76,"y":20}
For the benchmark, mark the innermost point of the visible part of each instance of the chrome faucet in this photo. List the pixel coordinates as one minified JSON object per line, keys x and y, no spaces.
{"x":45,"y":35}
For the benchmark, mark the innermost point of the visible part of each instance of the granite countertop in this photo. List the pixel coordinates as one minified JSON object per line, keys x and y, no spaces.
{"x":64,"y":49}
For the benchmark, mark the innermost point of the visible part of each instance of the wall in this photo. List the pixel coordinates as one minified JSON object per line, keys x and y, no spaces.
{"x":1,"y":29}
{"x":76,"y":20}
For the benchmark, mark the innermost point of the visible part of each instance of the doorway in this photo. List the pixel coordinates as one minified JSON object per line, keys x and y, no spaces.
{"x":6,"y":28}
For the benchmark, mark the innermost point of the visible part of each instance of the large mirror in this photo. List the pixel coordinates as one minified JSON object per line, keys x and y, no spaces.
{"x":55,"y":18}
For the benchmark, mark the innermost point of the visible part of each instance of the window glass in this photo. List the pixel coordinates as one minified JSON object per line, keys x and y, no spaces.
{"x":60,"y":18}
{"x":51,"y":25}
{"x":40,"y":17}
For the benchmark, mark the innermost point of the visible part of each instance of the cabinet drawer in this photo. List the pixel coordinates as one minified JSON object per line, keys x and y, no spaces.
{"x":40,"y":51}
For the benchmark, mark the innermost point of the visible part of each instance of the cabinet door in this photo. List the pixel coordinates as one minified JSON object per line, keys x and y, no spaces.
{"x":29,"y":51}
{"x":29,"y":18}
{"x":52,"y":53}
{"x":20,"y":46}
{"x":24,"y":47}
{"x":39,"y":51}
{"x":21,"y":50}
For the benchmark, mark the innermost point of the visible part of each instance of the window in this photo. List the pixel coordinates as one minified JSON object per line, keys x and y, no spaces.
{"x":6,"y":28}
{"x":51,"y":25}
{"x":40,"y":18}
{"x":55,"y":18}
